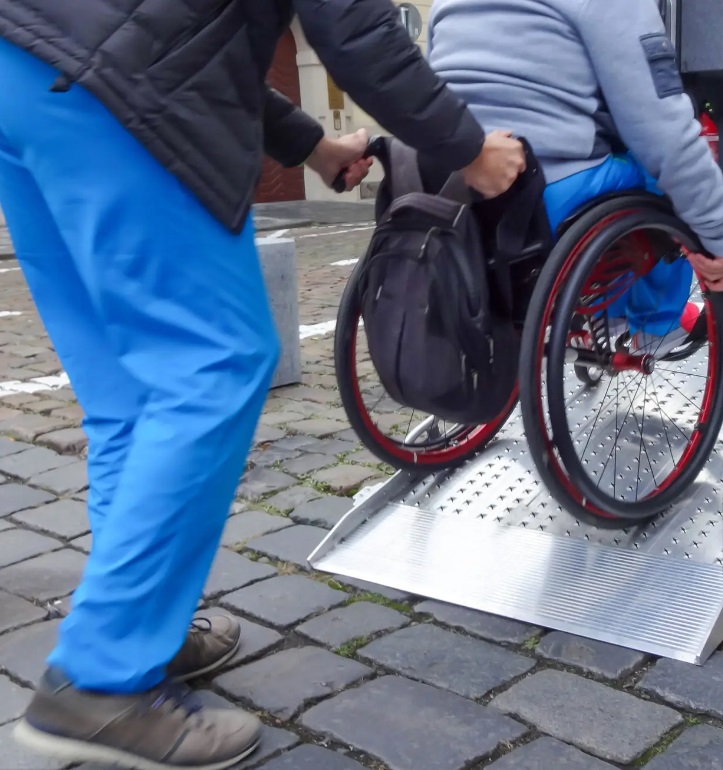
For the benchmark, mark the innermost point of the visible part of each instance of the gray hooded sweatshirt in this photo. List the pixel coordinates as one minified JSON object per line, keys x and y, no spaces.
{"x":575,"y":77}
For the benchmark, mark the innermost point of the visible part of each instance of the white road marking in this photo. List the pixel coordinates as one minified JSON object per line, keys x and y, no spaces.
{"x":5,"y":313}
{"x":276,"y":235}
{"x":344,"y":262}
{"x":9,"y":269}
{"x":37,"y":385}
{"x":337,"y":232}
{"x":316,"y":330}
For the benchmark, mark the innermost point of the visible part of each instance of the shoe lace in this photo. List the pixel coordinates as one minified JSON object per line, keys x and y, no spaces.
{"x":203,"y":625}
{"x":178,"y":696}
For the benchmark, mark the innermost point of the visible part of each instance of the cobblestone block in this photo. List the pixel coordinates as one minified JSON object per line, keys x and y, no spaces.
{"x":608,"y":723}
{"x":50,"y":576}
{"x":18,"y":497}
{"x":491,"y":627}
{"x":255,"y":640}
{"x":230,"y":571}
{"x":292,"y":497}
{"x":313,"y":758}
{"x":64,"y":481}
{"x":27,"y":427}
{"x":325,"y":512}
{"x":307,"y":463}
{"x":372,"y":588}
{"x":261,"y":481}
{"x":17,"y":757}
{"x":25,"y":465}
{"x":64,"y":518}
{"x":333,"y":447}
{"x":84,"y":543}
{"x":9,"y":446}
{"x":344,"y":478}
{"x":283,"y":683}
{"x":546,"y":754}
{"x":266,"y":434}
{"x":16,"y":612}
{"x":67,"y":441}
{"x":465,"y":666}
{"x":265,"y":457}
{"x":13,"y":700}
{"x":693,"y":688}
{"x":599,"y":658}
{"x":319,"y":428}
{"x":244,"y":526}
{"x":16,"y":545}
{"x":294,"y":544}
{"x":700,"y":748}
{"x":409,"y":726}
{"x":23,"y":652}
{"x":357,"y":621}
{"x":284,"y":601}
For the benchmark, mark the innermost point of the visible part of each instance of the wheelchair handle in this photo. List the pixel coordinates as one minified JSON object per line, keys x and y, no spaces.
{"x":375,"y":149}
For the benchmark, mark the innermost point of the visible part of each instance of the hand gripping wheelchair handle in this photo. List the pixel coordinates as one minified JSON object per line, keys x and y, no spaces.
{"x":376,"y":148}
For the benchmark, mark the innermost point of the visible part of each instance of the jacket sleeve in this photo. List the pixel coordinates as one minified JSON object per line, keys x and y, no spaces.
{"x":290,"y":135}
{"x":636,"y":68}
{"x":371,"y":57}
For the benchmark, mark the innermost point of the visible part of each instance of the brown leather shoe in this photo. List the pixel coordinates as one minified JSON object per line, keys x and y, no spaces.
{"x":164,"y":729}
{"x":211,"y":642}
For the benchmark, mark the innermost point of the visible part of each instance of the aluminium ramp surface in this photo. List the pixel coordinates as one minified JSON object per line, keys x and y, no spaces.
{"x":489,"y":536}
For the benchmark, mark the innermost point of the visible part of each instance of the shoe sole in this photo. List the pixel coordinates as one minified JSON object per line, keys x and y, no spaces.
{"x":212,"y":666}
{"x":82,"y":751}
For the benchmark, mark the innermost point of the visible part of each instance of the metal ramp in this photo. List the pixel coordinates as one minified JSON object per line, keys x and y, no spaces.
{"x":489,"y":536}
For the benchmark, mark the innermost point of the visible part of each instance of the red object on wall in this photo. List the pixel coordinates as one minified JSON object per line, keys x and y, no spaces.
{"x":278,"y":183}
{"x":710,"y":132}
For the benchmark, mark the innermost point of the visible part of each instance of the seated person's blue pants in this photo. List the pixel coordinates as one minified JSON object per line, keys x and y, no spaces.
{"x":160,"y":318}
{"x":655,"y":302}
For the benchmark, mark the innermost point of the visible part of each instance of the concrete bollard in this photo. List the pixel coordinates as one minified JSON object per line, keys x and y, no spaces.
{"x":278,"y":263}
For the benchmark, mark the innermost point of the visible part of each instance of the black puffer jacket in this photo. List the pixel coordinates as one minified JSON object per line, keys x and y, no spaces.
{"x":187,"y":77}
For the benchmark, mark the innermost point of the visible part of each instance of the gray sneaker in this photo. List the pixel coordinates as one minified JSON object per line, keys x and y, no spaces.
{"x":161,"y":729}
{"x":211,"y":642}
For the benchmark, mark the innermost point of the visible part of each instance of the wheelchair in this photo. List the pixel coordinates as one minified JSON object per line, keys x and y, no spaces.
{"x":617,"y":436}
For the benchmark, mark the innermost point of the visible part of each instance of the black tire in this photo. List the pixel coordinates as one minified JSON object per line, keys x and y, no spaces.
{"x":473,"y":439}
{"x":557,"y":291}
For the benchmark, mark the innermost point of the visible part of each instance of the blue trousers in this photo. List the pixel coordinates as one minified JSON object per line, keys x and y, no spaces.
{"x":655,"y":302}
{"x":160,"y":318}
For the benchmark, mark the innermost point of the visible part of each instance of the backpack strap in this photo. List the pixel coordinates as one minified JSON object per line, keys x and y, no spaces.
{"x":404,"y":177}
{"x":456,"y":189}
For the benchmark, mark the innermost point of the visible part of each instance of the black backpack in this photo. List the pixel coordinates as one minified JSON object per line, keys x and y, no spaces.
{"x":437,"y":294}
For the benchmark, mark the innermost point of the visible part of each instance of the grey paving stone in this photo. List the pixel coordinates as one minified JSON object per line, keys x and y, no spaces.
{"x":9,"y":446}
{"x":546,"y":754}
{"x":283,"y":683}
{"x":23,"y":652}
{"x":265,"y":434}
{"x":68,"y":440}
{"x":469,"y":667}
{"x":13,"y":700}
{"x":66,"y":518}
{"x":284,"y":601}
{"x":261,"y":481}
{"x":599,"y":658}
{"x":4,"y":524}
{"x":255,"y":640}
{"x":372,"y":588}
{"x":344,"y":478}
{"x":245,"y":526}
{"x":409,"y":726}
{"x":274,"y":740}
{"x":325,"y":512}
{"x":356,"y":621}
{"x":18,"y":497}
{"x":46,"y":577}
{"x":16,"y":545}
{"x":292,"y":497}
{"x":230,"y":571}
{"x":84,"y":543}
{"x":27,"y":427}
{"x":562,"y":705}
{"x":265,"y":457}
{"x":16,"y":612}
{"x":491,"y":627}
{"x":17,"y":757}
{"x":32,"y":462}
{"x":693,"y":688}
{"x":700,"y":748}
{"x":312,"y":758}
{"x":293,"y":545}
{"x":64,"y":481}
{"x":329,"y":446}
{"x":307,"y":463}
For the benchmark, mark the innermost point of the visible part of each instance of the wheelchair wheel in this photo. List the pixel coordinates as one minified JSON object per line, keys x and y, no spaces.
{"x":627,"y":450}
{"x":402,"y":437}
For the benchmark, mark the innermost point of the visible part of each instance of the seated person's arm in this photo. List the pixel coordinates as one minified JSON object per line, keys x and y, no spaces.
{"x":635,"y":66}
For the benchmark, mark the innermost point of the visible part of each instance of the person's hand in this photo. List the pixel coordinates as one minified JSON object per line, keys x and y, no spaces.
{"x":334,"y":155}
{"x":711,"y":270}
{"x":497,"y":167}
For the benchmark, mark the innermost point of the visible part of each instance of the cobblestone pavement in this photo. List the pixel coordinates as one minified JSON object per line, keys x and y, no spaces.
{"x":345,"y":675}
